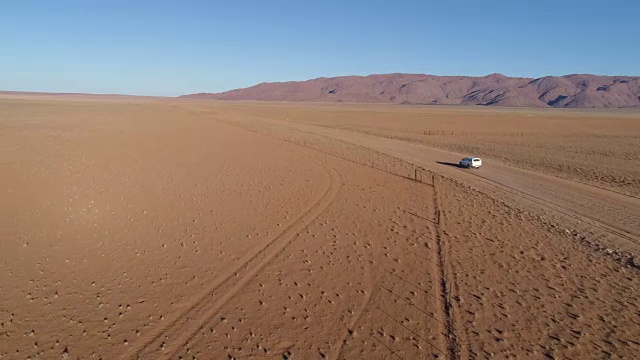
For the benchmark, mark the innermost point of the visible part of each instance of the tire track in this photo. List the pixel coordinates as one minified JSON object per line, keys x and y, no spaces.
{"x":352,"y":324}
{"x":184,"y":325}
{"x":611,"y":229}
{"x":602,"y":188}
{"x":446,"y":283}
{"x":441,"y":265}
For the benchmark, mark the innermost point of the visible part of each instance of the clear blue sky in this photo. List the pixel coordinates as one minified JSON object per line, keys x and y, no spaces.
{"x":176,"y":47}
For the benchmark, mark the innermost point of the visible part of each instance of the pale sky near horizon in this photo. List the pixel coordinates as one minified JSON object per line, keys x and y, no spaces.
{"x":173,"y":48}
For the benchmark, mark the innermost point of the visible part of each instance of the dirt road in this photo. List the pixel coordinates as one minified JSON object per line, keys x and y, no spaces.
{"x":612,"y":217}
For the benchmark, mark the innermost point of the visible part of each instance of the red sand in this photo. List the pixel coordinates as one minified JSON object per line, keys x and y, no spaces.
{"x":156,"y":230}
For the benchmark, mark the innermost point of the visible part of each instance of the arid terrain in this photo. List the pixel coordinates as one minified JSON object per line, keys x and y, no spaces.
{"x":182,"y":229}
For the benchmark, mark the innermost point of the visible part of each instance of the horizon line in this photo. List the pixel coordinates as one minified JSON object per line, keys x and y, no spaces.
{"x":79,"y":93}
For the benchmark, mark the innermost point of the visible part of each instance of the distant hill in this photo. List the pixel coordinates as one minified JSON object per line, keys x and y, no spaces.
{"x":569,"y":91}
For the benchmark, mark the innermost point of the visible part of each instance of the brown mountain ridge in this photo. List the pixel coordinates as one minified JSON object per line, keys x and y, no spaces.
{"x":569,"y":91}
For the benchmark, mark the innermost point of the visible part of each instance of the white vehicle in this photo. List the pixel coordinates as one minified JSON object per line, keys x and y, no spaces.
{"x":471,"y":162}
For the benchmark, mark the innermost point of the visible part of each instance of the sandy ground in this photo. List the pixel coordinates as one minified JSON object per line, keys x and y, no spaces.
{"x":599,"y":147}
{"x":154,"y":229}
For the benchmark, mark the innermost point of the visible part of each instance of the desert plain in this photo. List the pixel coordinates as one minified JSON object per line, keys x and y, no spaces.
{"x":182,"y":229}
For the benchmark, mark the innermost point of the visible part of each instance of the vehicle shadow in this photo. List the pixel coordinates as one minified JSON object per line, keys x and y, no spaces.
{"x":456,"y":165}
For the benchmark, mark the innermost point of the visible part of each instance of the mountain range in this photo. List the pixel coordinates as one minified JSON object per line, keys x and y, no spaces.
{"x":569,"y":91}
